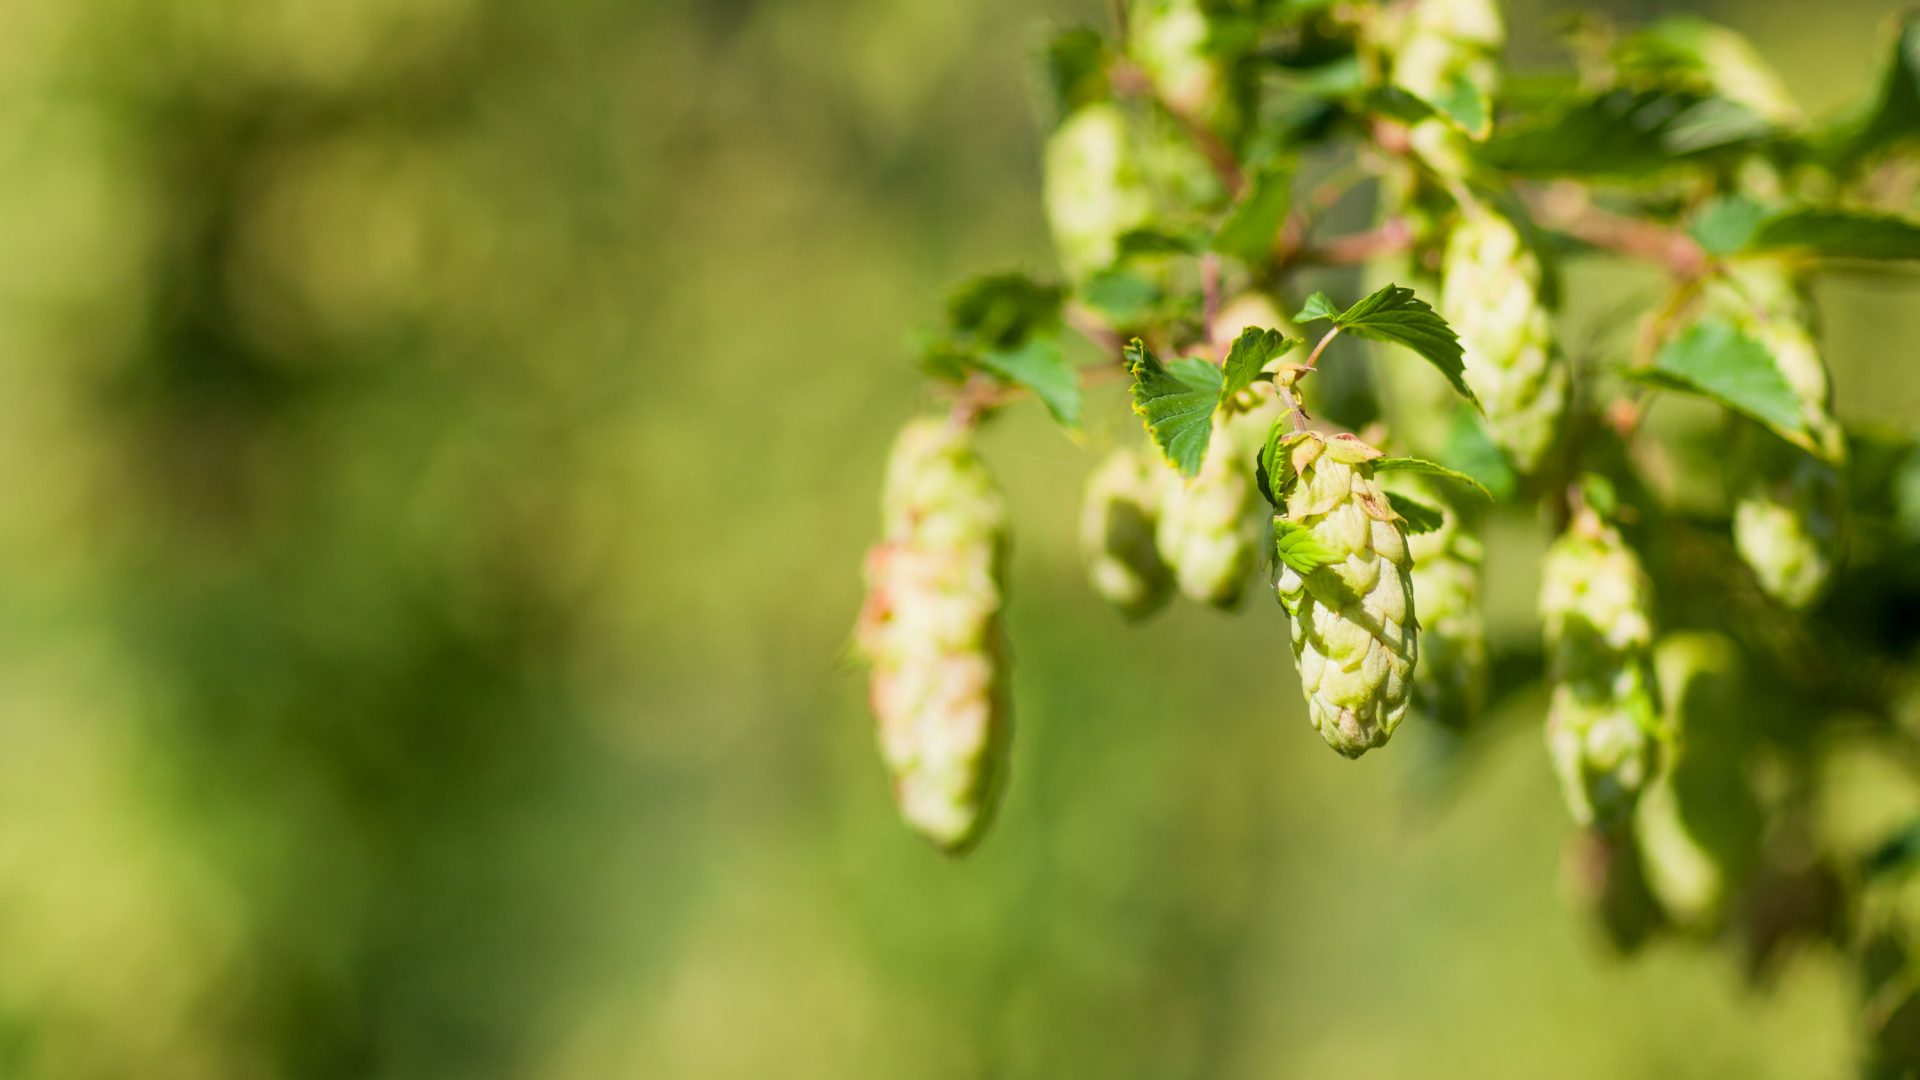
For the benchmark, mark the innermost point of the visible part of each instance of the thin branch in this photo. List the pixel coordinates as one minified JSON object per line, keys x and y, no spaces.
{"x":1567,"y":208}
{"x":1390,"y":237}
{"x":1314,"y":357}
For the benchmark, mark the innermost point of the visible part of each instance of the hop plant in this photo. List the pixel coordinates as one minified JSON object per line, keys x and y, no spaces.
{"x":1208,"y":532}
{"x":1344,"y":580}
{"x":1490,"y":294}
{"x":1175,"y":188}
{"x":930,"y":630}
{"x":1118,"y":520}
{"x":1450,"y":682}
{"x":1604,"y":729}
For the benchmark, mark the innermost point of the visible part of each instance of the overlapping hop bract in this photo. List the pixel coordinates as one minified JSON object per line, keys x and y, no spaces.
{"x":931,"y":632}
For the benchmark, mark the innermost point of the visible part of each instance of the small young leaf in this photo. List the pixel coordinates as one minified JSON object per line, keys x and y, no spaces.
{"x":1177,"y":402}
{"x":1251,"y":352}
{"x":1298,"y":548}
{"x":1275,"y":469}
{"x":1158,"y":242}
{"x":1038,"y":365}
{"x":1713,"y":357}
{"x":1248,"y":232}
{"x":1429,"y":468}
{"x":1840,"y":234}
{"x":1420,"y":517}
{"x":1464,"y":104}
{"x":1317,"y":307}
{"x":1393,"y":314}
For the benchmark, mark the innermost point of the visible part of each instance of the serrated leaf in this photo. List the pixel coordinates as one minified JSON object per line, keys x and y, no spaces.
{"x":1840,"y":234}
{"x":1250,"y":352}
{"x":1621,"y":133}
{"x":1393,"y":314}
{"x":1249,"y":230}
{"x":1317,"y":307}
{"x":1430,"y":468}
{"x":1713,"y":357}
{"x":1298,"y":548}
{"x":1038,"y":365}
{"x":1177,"y":401}
{"x":1727,"y":224}
{"x":1420,"y":517}
{"x":1465,"y":105}
{"x":1001,"y":310}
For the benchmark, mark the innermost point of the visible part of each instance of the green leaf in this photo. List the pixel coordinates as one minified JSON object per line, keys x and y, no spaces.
{"x":1157,"y":242}
{"x":1894,"y":112}
{"x":1038,"y":365}
{"x":1254,"y":221}
{"x":1430,"y":468}
{"x":1296,"y":547}
{"x":1001,"y":310}
{"x":1125,"y":300}
{"x":1727,"y":224}
{"x":1420,"y":517}
{"x":1177,"y":402}
{"x":1274,"y":472}
{"x":1472,"y":450}
{"x":1316,"y":308}
{"x":1076,"y":66}
{"x":1251,"y":352}
{"x":1840,"y":234}
{"x":1393,"y":314}
{"x":1713,"y":357}
{"x":1465,"y":105}
{"x":1621,"y":133}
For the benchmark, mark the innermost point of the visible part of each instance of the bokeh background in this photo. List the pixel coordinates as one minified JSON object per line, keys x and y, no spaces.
{"x":437,"y":440}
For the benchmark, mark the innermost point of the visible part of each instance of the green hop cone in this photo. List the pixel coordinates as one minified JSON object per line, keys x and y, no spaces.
{"x":930,"y":631}
{"x":1117,"y":523}
{"x":1450,"y":683}
{"x":1170,"y":40}
{"x":1343,"y":579}
{"x":1208,"y":531}
{"x":1604,"y":729}
{"x":1095,"y":189}
{"x":1699,"y":824}
{"x":1442,"y":43}
{"x":1490,"y":294}
{"x":1787,"y":521}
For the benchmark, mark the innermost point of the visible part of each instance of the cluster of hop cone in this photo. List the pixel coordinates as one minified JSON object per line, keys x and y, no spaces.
{"x":1386,"y":618}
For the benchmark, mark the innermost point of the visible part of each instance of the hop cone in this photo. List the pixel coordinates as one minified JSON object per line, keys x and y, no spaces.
{"x":1699,"y":824}
{"x":1603,"y":726}
{"x":1208,"y":531}
{"x":1169,"y":39}
{"x":1117,"y":523}
{"x":1353,"y":622}
{"x":1450,"y":683}
{"x":930,"y":629}
{"x":1095,"y":190}
{"x":1442,"y":41}
{"x":1787,"y":522}
{"x":1490,"y":293}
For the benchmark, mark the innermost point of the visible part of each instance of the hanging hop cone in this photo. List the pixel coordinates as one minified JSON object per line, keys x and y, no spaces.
{"x":1208,"y":530}
{"x":930,"y":630}
{"x":1604,"y":730}
{"x":1171,"y":40}
{"x":1344,"y":579}
{"x":1450,"y":683}
{"x":1117,"y":522}
{"x":1094,"y":188}
{"x":1490,"y":294}
{"x":1439,"y":43}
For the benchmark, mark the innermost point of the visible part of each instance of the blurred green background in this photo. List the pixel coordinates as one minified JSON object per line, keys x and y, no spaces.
{"x":438,"y":439}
